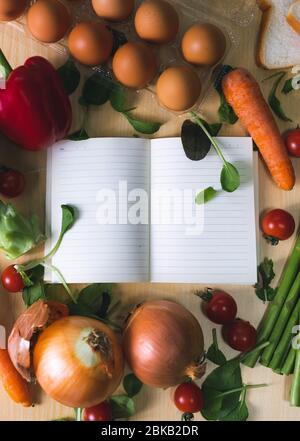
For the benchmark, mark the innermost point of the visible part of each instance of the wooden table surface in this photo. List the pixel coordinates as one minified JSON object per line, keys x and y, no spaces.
{"x":270,"y":403}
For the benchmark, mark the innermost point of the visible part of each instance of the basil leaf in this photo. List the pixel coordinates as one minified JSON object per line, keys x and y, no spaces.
{"x":18,"y":235}
{"x":195,"y":143}
{"x":70,"y":76}
{"x":132,"y":385}
{"x":97,"y":89}
{"x":288,"y":87}
{"x":119,"y":39}
{"x":123,"y":407}
{"x":206,"y":195}
{"x":274,"y":102}
{"x":148,"y":128}
{"x":80,"y":135}
{"x":230,"y":178}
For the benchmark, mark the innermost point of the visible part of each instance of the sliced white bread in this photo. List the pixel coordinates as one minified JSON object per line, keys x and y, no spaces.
{"x":293,"y":16}
{"x":278,"y":44}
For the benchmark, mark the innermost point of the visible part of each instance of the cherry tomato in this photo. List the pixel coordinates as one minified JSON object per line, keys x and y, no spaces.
{"x":278,"y":225}
{"x":101,"y":412}
{"x":219,"y":306}
{"x":11,"y":280}
{"x":12,"y":183}
{"x":188,"y":398}
{"x":293,"y":142}
{"x":240,"y":335}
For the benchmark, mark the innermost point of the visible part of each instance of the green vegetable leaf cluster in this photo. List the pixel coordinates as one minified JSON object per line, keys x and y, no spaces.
{"x":70,"y":76}
{"x":93,"y":301}
{"x":18,"y":235}
{"x":226,"y":112}
{"x":266,"y":275}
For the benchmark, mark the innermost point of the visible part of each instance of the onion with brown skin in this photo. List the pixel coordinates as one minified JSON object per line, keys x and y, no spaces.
{"x":163,"y":344}
{"x":23,"y":335}
{"x":78,"y":361}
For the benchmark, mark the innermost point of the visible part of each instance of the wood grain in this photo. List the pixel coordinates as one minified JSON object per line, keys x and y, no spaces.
{"x":265,"y":404}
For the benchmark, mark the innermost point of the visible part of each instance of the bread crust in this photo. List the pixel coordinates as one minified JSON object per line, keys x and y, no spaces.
{"x":265,"y":20}
{"x":293,"y":22}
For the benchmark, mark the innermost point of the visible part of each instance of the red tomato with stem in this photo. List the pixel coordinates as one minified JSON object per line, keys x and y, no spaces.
{"x":293,"y":142}
{"x":101,"y":412}
{"x":240,"y":335}
{"x":11,"y":280}
{"x":219,"y":306}
{"x":188,"y":398}
{"x":278,"y":225}
{"x":12,"y":183}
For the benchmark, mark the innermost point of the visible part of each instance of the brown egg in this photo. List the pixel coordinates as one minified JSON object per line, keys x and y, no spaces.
{"x":113,"y":10}
{"x":156,"y":21}
{"x":90,"y":43}
{"x":48,"y":20}
{"x":11,"y":9}
{"x":134,"y":65}
{"x":178,"y":88}
{"x":203,"y":44}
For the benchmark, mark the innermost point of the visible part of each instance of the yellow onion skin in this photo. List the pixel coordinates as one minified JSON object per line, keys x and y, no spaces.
{"x":69,"y":370}
{"x":163,"y":344}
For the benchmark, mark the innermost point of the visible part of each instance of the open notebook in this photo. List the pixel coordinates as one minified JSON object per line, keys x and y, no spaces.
{"x":118,"y":184}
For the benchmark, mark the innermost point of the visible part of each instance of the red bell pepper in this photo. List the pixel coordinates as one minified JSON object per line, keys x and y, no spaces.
{"x":35,"y":111}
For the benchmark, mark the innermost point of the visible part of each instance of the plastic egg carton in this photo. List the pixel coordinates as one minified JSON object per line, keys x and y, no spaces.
{"x":227,"y":15}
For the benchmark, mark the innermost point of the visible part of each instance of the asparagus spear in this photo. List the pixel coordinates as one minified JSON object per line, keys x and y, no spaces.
{"x":288,"y":310}
{"x":285,"y":341}
{"x":269,"y":321}
{"x":289,"y":364}
{"x":295,"y":389}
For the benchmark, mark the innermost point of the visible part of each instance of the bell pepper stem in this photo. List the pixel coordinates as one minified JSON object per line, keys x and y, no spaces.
{"x":5,"y":67}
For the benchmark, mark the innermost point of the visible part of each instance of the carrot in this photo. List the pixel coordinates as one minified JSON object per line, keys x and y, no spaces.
{"x":16,"y":387}
{"x":245,"y":97}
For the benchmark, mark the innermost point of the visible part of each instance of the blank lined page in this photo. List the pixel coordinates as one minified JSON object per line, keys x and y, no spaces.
{"x":212,"y":243}
{"x":86,"y":175}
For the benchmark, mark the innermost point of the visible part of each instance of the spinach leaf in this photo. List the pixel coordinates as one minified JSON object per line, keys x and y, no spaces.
{"x":117,"y":99}
{"x":226,"y":112}
{"x":205,"y":196}
{"x":146,"y":127}
{"x":266,"y":275}
{"x":97,"y":88}
{"x":195,"y":143}
{"x":274,"y":102}
{"x":123,"y":407}
{"x":214,"y":354}
{"x":240,"y":412}
{"x":18,"y":235}
{"x":70,"y":76}
{"x":132,"y":385}
{"x":213,"y":129}
{"x":79,"y":135}
{"x":230,"y":178}
{"x":93,"y":301}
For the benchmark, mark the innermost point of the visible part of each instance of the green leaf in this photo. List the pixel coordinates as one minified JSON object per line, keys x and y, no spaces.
{"x":97,"y":89}
{"x":123,"y":407}
{"x":240,"y":412}
{"x":119,"y":39}
{"x":195,"y":143}
{"x":226,"y":377}
{"x":206,"y":195}
{"x":93,"y":301}
{"x":18,"y":235}
{"x":70,"y":76}
{"x":288,"y":86}
{"x":266,"y":275}
{"x":68,"y":218}
{"x":226,"y":112}
{"x":117,"y":99}
{"x":213,"y":129}
{"x":230,"y":178}
{"x":274,"y":102}
{"x":132,"y":385}
{"x":145,"y":127}
{"x":32,"y":294}
{"x":79,"y":135}
{"x":214,"y":354}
